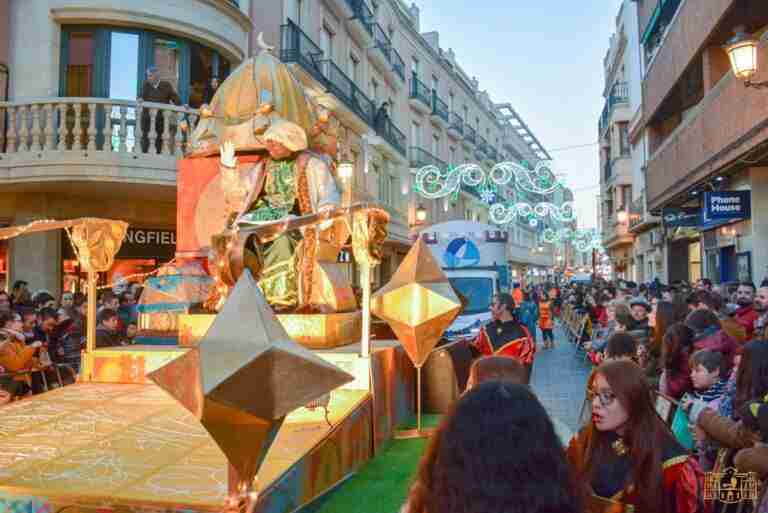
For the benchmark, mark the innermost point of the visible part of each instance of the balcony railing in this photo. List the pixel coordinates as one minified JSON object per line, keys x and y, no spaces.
{"x":95,"y":125}
{"x":363,"y":14}
{"x":607,"y":171}
{"x":470,"y":134}
{"x":439,"y":107}
{"x":492,"y":153}
{"x":420,"y":91}
{"x":419,"y":158}
{"x":398,"y":65}
{"x":347,"y":91}
{"x":297,"y":47}
{"x":381,"y":42}
{"x":619,"y":95}
{"x":637,"y":211}
{"x":392,"y":135}
{"x":457,"y":123}
{"x":482,"y":145}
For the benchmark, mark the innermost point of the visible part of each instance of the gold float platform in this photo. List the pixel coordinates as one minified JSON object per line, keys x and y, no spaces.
{"x":314,"y":331}
{"x":117,"y":446}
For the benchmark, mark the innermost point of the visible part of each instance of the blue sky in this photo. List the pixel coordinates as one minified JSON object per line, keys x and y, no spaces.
{"x":545,"y":57}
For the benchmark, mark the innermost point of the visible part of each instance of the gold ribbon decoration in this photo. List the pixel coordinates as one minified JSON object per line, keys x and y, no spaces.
{"x":368,"y":235}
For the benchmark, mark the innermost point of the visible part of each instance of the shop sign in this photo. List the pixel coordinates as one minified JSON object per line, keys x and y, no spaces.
{"x":675,"y":217}
{"x":728,"y":205}
{"x":148,"y":237}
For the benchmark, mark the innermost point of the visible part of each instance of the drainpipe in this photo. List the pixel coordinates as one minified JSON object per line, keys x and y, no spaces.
{"x":5,"y":70}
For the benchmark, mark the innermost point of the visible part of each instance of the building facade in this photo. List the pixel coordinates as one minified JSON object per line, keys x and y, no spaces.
{"x":79,"y":143}
{"x":706,"y":133}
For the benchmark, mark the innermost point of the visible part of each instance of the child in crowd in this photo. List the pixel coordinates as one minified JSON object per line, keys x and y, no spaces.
{"x":708,"y":390}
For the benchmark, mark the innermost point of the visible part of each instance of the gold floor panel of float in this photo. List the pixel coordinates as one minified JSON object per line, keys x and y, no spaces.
{"x":134,"y":445}
{"x":314,"y":331}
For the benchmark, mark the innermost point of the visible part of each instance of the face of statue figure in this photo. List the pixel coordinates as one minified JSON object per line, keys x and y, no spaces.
{"x":276,"y":150}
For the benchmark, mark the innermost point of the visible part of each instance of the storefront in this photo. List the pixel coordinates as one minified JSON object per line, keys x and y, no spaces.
{"x":4,"y":285}
{"x":142,"y":252}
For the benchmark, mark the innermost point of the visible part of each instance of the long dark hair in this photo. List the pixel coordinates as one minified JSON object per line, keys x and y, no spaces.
{"x":645,"y":435}
{"x":665,"y":317}
{"x":495,"y":452}
{"x":752,"y":376}
{"x":678,"y":342}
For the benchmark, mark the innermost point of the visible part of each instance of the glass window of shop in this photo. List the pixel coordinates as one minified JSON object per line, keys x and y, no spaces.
{"x":110,"y":62}
{"x":143,"y":251}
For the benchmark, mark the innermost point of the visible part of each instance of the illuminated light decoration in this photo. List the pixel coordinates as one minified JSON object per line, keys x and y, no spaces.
{"x":433,"y":183}
{"x":504,"y":214}
{"x":583,"y":240}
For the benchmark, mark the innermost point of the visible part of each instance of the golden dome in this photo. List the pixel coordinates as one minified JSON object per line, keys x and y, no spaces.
{"x":259,"y":90}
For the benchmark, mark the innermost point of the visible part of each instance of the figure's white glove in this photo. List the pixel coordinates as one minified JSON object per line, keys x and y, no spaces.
{"x":228,"y":158}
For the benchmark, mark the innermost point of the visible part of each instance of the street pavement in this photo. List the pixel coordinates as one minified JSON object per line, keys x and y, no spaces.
{"x":559,"y":380}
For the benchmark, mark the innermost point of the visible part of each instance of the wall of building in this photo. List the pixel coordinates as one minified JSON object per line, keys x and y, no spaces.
{"x":4,"y":31}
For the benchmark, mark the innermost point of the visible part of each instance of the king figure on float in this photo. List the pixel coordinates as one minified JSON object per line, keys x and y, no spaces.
{"x":258,"y":191}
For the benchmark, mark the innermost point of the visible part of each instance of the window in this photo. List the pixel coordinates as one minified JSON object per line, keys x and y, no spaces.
{"x":451,"y":102}
{"x":296,"y":11}
{"x":354,"y":68}
{"x":466,"y":114}
{"x":375,"y":91}
{"x":326,"y":42}
{"x":415,"y":134}
{"x":435,"y":84}
{"x":79,"y":70}
{"x":452,"y":156}
{"x":624,"y":148}
{"x":110,"y":62}
{"x":415,"y":67}
{"x":436,"y":145}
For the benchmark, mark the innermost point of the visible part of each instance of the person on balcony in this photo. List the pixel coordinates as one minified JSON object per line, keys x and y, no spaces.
{"x":382,"y":117}
{"x":156,"y":91}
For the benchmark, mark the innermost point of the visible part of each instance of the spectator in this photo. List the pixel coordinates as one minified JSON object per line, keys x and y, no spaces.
{"x":761,"y":308}
{"x":16,"y":356}
{"x":463,"y":470}
{"x":210,"y":90}
{"x":20,"y":294}
{"x":71,"y":339}
{"x":703,"y":300}
{"x":704,"y":284}
{"x":745,"y":314}
{"x":157,"y":91}
{"x":5,"y":302}
{"x":528,"y":312}
{"x":708,"y":334}
{"x":496,"y":368}
{"x":29,"y":326}
{"x":621,"y":346}
{"x":127,"y":311}
{"x":67,"y":300}
{"x":546,"y":324}
{"x":649,"y":357}
{"x":43,"y":299}
{"x":106,"y":330}
{"x":381,"y":117}
{"x":626,"y":454}
{"x":46,"y":331}
{"x":130,"y":332}
{"x":675,"y":355}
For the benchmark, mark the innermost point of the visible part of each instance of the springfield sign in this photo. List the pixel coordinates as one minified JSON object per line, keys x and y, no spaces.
{"x":726,"y":205}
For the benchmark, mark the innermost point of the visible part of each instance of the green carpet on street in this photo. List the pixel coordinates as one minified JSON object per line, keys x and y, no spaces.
{"x":381,"y":486}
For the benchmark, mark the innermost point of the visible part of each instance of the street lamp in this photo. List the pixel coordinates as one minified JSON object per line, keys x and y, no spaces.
{"x":421,"y":215}
{"x":623,"y":216}
{"x":742,"y":52}
{"x":346,"y":169}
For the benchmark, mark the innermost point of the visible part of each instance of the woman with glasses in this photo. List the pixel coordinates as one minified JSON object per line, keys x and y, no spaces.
{"x":626,"y":457}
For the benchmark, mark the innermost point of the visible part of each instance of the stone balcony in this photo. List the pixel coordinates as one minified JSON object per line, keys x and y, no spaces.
{"x":94,"y":140}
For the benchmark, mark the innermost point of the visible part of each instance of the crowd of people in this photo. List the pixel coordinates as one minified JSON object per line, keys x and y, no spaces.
{"x":42,"y":337}
{"x":700,"y":349}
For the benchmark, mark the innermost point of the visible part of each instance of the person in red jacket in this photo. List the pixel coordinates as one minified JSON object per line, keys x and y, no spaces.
{"x":746,"y":314}
{"x":506,"y":335}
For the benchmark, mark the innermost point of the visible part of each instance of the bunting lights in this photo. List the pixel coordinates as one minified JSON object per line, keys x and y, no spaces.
{"x":583,"y":240}
{"x":433,"y":183}
{"x":501,"y":213}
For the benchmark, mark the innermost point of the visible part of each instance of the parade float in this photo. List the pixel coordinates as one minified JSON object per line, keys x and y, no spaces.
{"x":262,"y":389}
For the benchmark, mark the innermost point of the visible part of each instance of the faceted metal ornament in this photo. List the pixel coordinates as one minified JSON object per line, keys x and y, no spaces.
{"x":418,"y":303}
{"x":245,"y":376}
